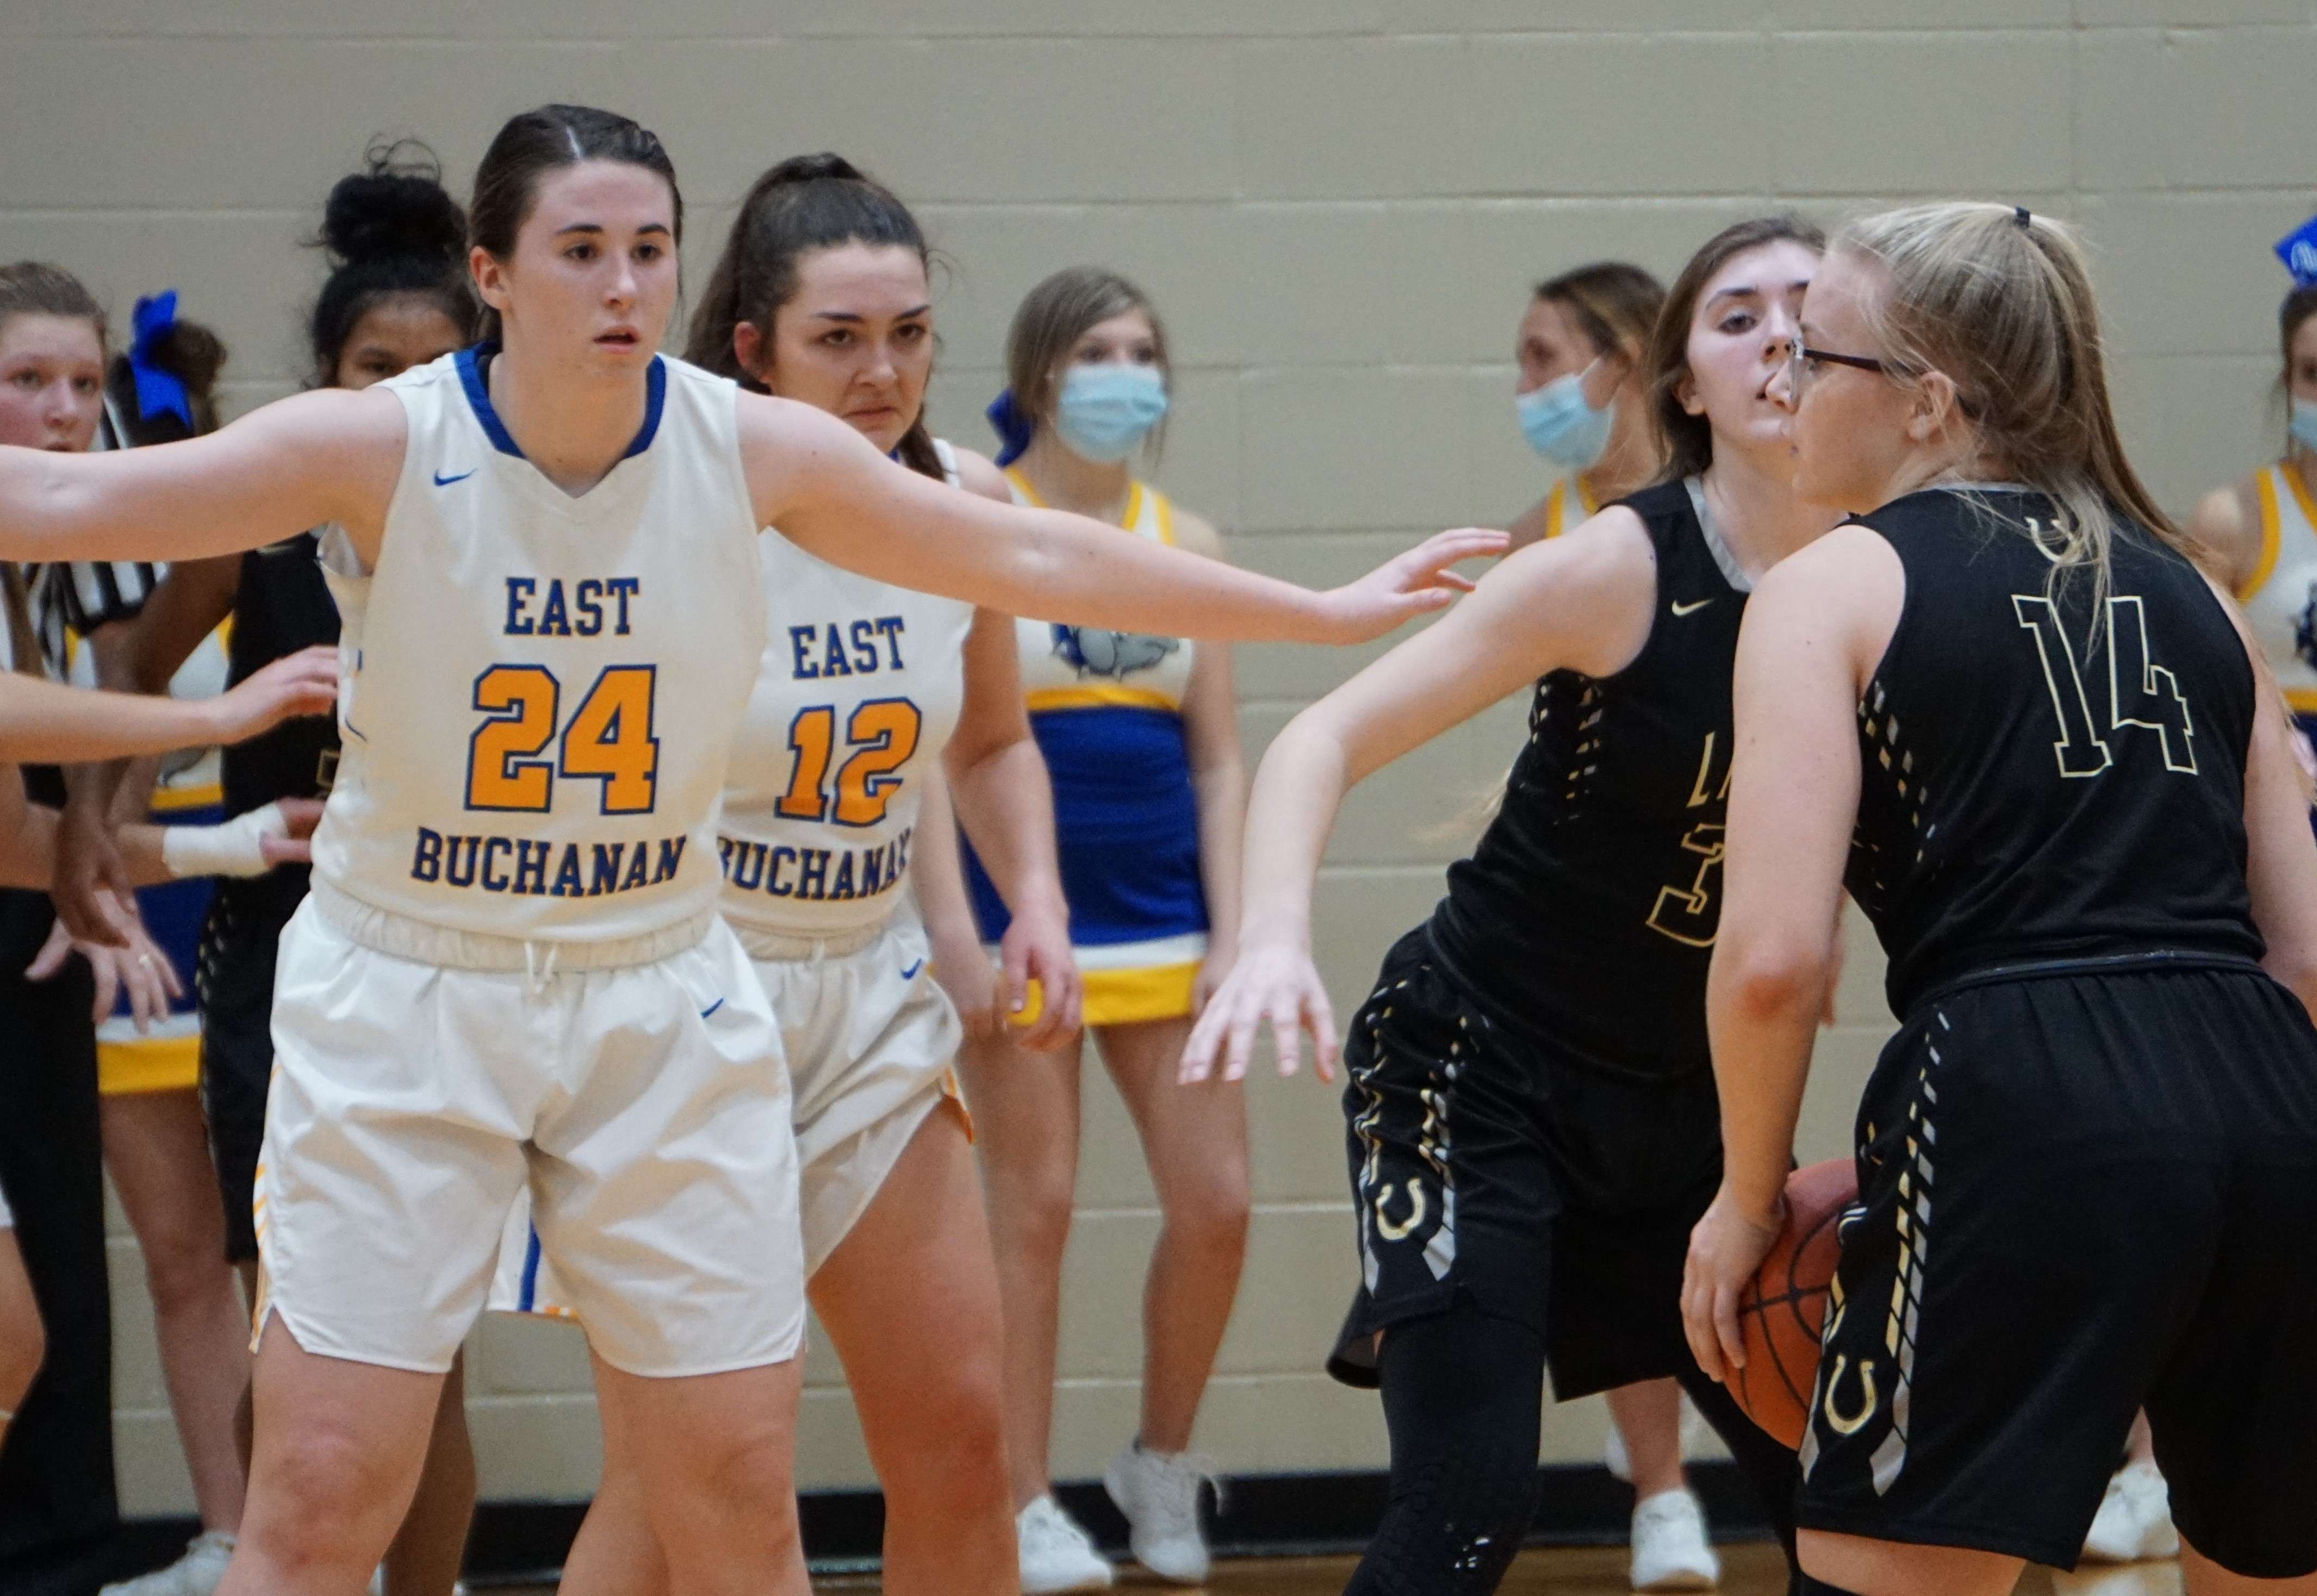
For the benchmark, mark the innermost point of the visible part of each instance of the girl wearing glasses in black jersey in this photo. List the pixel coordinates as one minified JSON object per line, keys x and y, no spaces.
{"x":2043,"y":752}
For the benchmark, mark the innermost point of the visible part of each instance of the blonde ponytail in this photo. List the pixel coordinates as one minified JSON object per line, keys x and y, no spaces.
{"x":2001,"y":302}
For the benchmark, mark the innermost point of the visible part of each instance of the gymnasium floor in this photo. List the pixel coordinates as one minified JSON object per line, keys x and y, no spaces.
{"x":1588,"y":1570}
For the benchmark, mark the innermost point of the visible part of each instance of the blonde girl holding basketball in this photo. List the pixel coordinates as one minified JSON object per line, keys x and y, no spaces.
{"x":2007,"y":710}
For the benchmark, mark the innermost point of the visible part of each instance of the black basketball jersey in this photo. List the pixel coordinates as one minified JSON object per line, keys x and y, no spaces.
{"x":1589,"y":910}
{"x":282,"y":605}
{"x":2038,"y":786}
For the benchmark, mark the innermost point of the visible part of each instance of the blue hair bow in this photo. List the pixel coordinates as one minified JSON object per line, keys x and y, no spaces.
{"x":1014,"y":428}
{"x":157,"y":390}
{"x":2298,"y":250}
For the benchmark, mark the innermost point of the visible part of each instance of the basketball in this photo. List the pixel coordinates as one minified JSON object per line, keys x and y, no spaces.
{"x":1781,"y":1315}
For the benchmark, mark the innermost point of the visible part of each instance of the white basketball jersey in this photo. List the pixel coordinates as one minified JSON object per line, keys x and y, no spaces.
{"x":2280,"y":602}
{"x":540,"y":692}
{"x":859,"y":689}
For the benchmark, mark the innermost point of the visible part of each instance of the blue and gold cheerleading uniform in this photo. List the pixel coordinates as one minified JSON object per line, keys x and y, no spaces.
{"x":1106,"y":708}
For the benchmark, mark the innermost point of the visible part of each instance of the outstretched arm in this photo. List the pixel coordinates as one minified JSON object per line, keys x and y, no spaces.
{"x":1793,"y":800}
{"x":1581,"y":602}
{"x":327,"y":455}
{"x":46,"y":722}
{"x":829,"y":491}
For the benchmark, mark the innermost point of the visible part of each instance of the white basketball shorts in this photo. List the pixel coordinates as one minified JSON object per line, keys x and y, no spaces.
{"x":869,"y":1039}
{"x":642,"y":1109}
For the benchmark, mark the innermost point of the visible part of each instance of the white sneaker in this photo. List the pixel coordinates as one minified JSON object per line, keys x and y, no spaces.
{"x":1670,"y":1552}
{"x":1158,"y":1493}
{"x":1056,"y":1555}
{"x":196,"y":1573}
{"x":2135,"y":1519}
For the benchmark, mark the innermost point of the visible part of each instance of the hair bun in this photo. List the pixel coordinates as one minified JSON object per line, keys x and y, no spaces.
{"x":813,"y":168}
{"x":397,"y":207}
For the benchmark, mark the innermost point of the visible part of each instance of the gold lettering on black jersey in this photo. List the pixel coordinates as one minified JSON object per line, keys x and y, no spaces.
{"x":1689,"y":914}
{"x":2141,"y":692}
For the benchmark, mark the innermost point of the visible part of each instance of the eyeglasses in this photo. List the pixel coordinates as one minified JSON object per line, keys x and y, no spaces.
{"x":1801,"y":357}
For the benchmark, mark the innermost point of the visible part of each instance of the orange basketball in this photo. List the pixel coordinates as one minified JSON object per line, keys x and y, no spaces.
{"x":1781,"y":1314}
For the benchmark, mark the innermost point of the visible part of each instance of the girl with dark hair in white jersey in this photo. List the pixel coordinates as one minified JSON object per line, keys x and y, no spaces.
{"x":510,"y":972}
{"x":866,"y":693}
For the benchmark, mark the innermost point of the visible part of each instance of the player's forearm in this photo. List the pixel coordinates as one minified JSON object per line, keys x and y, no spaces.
{"x":1291,"y":811}
{"x":1762,"y":1015}
{"x":45,"y":722}
{"x":937,"y":873}
{"x":1219,"y":791}
{"x":1006,"y":802}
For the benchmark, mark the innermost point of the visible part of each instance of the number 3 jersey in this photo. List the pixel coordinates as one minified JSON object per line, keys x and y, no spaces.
{"x":2050,"y":772}
{"x":540,"y":691}
{"x":860,"y":687}
{"x":1588,"y":911}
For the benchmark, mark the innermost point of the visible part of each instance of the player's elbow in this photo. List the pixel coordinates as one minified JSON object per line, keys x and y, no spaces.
{"x":2292,"y":962}
{"x":1766,"y":979}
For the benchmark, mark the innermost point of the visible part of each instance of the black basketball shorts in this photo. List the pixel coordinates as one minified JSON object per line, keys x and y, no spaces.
{"x":1485,"y":1161}
{"x":2080,"y":1194}
{"x":240,"y":941}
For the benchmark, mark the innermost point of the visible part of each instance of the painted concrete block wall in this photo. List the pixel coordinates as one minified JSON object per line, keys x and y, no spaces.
{"x":1339,"y":204}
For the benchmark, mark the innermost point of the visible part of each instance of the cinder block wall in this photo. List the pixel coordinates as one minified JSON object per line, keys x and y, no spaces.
{"x":1340,"y":205}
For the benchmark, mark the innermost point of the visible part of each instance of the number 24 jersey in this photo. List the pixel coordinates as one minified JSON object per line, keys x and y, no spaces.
{"x":540,"y":691}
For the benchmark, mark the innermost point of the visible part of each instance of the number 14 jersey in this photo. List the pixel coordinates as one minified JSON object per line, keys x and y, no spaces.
{"x":540,"y":691}
{"x":2049,"y":772}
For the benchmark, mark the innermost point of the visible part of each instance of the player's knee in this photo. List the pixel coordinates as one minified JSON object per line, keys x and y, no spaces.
{"x":1212,"y":1222}
{"x":182,"y":1268}
{"x":747,"y":1472}
{"x":323,"y":1488}
{"x":1041,"y":1221}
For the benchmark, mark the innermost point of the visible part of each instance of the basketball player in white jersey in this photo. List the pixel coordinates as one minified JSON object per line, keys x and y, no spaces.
{"x":822,"y":295}
{"x":510,"y":972}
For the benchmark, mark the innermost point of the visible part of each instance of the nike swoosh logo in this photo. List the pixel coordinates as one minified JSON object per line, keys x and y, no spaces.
{"x":911,"y":973}
{"x":1691,"y":609}
{"x":712,"y":1008}
{"x":442,"y":482}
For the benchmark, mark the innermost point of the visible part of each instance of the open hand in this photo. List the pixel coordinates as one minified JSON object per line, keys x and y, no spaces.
{"x":1274,"y":984}
{"x":141,"y":970}
{"x":304,"y":683}
{"x":1407,"y":584}
{"x":1726,"y":1247}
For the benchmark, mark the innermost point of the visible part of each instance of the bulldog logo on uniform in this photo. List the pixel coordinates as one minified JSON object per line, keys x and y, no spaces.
{"x":1092,"y":651}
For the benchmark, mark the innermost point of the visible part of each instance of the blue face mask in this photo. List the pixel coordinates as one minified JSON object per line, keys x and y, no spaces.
{"x":1561,"y":426}
{"x":1105,"y":411}
{"x":2301,"y":423}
